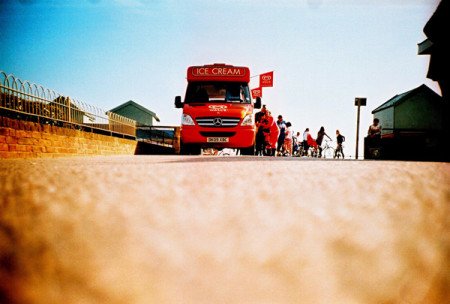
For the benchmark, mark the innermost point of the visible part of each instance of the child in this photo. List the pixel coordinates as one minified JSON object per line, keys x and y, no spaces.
{"x":288,"y":139}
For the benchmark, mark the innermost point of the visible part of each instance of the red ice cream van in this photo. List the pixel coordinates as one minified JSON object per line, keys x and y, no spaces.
{"x":217,"y":109}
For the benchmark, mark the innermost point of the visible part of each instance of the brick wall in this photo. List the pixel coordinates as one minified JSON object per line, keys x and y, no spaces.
{"x":22,"y":139}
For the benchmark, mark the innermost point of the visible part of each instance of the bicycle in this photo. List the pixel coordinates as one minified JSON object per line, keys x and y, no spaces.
{"x":327,"y":150}
{"x":228,"y":152}
{"x":209,"y":151}
{"x":300,"y":150}
{"x":313,"y":151}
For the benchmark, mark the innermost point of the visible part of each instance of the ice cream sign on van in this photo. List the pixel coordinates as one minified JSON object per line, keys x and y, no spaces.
{"x":218,"y":71}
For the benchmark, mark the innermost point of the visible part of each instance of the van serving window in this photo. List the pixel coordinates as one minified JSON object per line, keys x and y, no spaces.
{"x":232,"y":92}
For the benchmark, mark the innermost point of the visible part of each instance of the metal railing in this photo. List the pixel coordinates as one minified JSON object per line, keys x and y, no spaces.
{"x":159,"y":135}
{"x":28,"y":101}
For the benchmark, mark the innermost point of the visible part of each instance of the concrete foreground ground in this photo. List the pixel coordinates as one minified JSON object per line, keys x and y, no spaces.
{"x":153,"y":229}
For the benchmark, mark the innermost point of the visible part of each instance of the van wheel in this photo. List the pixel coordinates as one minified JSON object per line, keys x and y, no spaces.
{"x":190,"y":149}
{"x":248,"y":151}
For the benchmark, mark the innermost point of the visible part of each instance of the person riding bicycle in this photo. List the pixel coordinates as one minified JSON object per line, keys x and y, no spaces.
{"x":339,"y":139}
{"x":319,"y":139}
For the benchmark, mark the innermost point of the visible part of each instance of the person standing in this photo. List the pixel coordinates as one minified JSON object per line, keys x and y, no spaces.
{"x":259,"y":140}
{"x":296,"y":140}
{"x":259,"y":115}
{"x":282,"y":127}
{"x":305,"y":142}
{"x":274,"y":134}
{"x":271,"y":132}
{"x":265,"y":127}
{"x":319,"y":139}
{"x":339,"y":139}
{"x":288,"y":139}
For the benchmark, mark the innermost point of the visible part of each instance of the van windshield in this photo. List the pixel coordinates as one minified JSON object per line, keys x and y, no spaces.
{"x":233,"y":92}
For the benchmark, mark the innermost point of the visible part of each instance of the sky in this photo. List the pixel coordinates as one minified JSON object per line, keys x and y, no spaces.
{"x":323,"y":53}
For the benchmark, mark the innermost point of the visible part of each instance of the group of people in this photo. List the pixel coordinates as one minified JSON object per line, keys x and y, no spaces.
{"x":309,"y":143}
{"x":275,"y":138}
{"x":272,"y":137}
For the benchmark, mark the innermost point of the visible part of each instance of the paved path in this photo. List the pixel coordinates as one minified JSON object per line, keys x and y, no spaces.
{"x":152,"y":229}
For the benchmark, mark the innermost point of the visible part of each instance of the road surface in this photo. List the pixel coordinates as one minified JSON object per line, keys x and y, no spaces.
{"x":154,"y":229}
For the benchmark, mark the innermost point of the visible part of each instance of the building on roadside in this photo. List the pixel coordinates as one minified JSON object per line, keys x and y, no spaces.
{"x":133,"y":110}
{"x":145,"y":120}
{"x":412,"y":126}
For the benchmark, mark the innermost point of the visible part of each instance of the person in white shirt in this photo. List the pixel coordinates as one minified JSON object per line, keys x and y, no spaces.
{"x":288,"y":139}
{"x":305,"y":142}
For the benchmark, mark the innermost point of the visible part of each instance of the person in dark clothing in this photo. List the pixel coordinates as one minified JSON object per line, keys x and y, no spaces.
{"x":259,"y":115}
{"x":339,"y":139}
{"x":319,"y":139}
{"x":282,"y":126}
{"x":260,"y":139}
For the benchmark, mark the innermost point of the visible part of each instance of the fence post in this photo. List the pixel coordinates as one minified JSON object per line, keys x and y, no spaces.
{"x":359,"y":101}
{"x":110,"y":121}
{"x":176,"y":140}
{"x":68,"y":108}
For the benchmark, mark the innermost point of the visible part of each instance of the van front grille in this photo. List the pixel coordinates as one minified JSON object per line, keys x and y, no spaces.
{"x":218,"y":122}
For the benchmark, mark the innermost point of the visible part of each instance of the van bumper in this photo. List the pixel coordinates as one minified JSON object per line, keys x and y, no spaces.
{"x":241,"y":137}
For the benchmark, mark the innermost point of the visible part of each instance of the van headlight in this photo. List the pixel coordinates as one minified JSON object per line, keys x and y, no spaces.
{"x":186,"y":120}
{"x":247,"y":121}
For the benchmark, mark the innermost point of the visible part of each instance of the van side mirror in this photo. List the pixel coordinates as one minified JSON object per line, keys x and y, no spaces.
{"x":258,"y":103}
{"x":178,"y":103}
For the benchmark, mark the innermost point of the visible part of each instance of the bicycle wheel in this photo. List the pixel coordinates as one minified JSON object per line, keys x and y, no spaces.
{"x":339,"y":154}
{"x":328,"y":152}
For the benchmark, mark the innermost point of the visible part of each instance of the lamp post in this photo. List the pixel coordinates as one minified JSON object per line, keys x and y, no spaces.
{"x":359,"y":101}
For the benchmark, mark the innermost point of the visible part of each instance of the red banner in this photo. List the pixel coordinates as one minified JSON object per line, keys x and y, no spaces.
{"x":257,"y":92}
{"x":266,"y":79}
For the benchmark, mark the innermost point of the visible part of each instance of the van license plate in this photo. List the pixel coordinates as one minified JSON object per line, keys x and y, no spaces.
{"x":217,"y":139}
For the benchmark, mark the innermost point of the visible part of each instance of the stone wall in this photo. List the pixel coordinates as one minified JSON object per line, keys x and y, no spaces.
{"x":26,"y":139}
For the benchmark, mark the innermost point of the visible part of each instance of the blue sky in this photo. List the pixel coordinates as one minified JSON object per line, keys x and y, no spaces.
{"x":324,"y":53}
